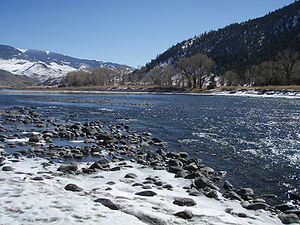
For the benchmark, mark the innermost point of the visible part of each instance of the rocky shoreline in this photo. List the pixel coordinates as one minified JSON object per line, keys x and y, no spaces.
{"x":130,"y":172}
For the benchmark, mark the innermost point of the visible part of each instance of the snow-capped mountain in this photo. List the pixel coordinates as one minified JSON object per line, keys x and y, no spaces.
{"x":44,"y":65}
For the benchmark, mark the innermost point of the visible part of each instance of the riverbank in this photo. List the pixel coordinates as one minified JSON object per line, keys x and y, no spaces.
{"x":268,"y":91}
{"x":117,"y":175}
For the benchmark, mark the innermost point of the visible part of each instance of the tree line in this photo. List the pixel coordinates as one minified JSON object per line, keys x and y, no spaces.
{"x":198,"y":71}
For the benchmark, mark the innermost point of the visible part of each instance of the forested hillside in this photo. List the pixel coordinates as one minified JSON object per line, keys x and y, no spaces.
{"x":261,"y":51}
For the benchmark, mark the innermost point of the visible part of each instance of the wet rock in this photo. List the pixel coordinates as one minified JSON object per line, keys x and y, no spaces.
{"x":146,"y":193}
{"x":174,"y":169}
{"x":111,"y":183}
{"x":232,"y":195}
{"x":227,"y":185}
{"x":117,"y":168}
{"x":35,"y":138}
{"x":96,"y":165}
{"x":192,"y":176}
{"x":288,"y":218}
{"x":294,"y":196}
{"x":184,"y":202}
{"x":295,"y":211}
{"x":242,"y":215}
{"x":104,"y":163}
{"x":183,"y":155}
{"x":175,"y":162}
{"x":203,"y":182}
{"x":212,"y":194}
{"x":284,"y":207}
{"x":256,"y":206}
{"x":7,"y":168}
{"x":37,"y":178}
{"x":73,"y":187}
{"x":186,"y":214}
{"x":156,"y":140}
{"x":207,"y":170}
{"x":167,"y":186}
{"x":181,"y":173}
{"x":107,"y":203}
{"x":246,"y":191}
{"x":68,"y":167}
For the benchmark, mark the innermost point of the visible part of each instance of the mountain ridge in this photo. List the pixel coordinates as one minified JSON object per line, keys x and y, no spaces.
{"x":237,"y":46}
{"x":44,"y":65}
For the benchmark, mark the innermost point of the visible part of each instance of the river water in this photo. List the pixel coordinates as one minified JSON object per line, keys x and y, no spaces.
{"x":256,"y":140}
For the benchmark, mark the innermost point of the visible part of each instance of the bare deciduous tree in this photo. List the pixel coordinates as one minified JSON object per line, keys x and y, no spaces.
{"x":195,"y":69}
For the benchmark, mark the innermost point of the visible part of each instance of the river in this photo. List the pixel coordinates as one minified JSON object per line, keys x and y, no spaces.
{"x":255,"y":140}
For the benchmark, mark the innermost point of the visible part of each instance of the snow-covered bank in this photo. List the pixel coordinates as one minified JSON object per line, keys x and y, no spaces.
{"x":259,"y":93}
{"x":33,"y":193}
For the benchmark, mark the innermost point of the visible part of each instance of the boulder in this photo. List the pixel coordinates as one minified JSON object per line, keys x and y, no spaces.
{"x":107,"y":203}
{"x":68,"y":167}
{"x":73,"y":187}
{"x":288,"y":218}
{"x":146,"y":193}
{"x":7,"y":168}
{"x":186,"y":214}
{"x":184,"y":202}
{"x":256,"y":206}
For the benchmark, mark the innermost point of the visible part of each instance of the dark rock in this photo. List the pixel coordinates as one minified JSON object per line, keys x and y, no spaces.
{"x":212,"y":194}
{"x":207,"y":170}
{"x":195,"y":193}
{"x":183,"y":155}
{"x":256,"y":206}
{"x":68,"y":167}
{"x":130,"y":175}
{"x":294,"y":196}
{"x":35,"y":138}
{"x":175,"y":162}
{"x":181,"y":173}
{"x":284,"y":207}
{"x":73,"y":187}
{"x":184,"y":202}
{"x":137,"y":184}
{"x":232,"y":195}
{"x":295,"y":211}
{"x":146,"y":193}
{"x":117,"y":168}
{"x":245,"y":192}
{"x":192,"y":176}
{"x":108,"y":203}
{"x":156,"y":140}
{"x":111,"y":183}
{"x":174,"y":169}
{"x":242,"y":215}
{"x":288,"y":218}
{"x":167,"y":186}
{"x":227,"y":185}
{"x":186,"y":214}
{"x":96,"y":165}
{"x":104,"y":163}
{"x":7,"y":168}
{"x":202,"y":182}
{"x":37,"y":178}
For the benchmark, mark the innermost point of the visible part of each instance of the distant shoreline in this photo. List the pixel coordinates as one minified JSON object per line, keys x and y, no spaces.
{"x":266,"y":91}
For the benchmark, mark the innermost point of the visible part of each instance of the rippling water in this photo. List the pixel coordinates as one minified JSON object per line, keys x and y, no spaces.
{"x":256,"y":140}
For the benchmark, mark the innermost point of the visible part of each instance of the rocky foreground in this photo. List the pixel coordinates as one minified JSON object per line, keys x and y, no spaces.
{"x":108,"y":174}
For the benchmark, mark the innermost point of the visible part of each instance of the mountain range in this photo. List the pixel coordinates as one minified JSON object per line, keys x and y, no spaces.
{"x":45,"y":67}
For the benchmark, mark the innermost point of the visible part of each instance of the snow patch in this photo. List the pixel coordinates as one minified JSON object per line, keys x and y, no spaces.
{"x":25,"y":200}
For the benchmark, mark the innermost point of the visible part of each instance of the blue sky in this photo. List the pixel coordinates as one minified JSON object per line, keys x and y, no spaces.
{"x":130,"y":32}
